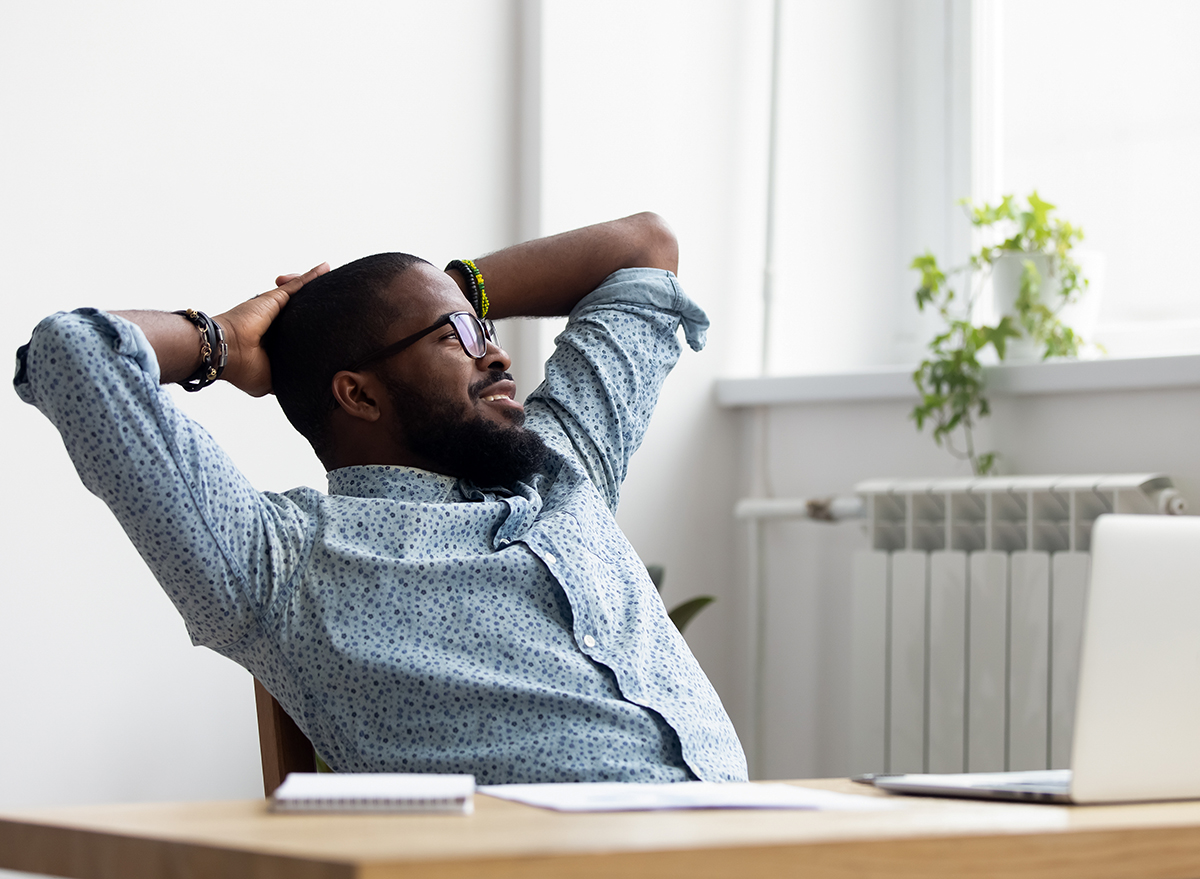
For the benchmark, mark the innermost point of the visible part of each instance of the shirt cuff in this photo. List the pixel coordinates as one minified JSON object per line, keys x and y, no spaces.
{"x":125,"y":338}
{"x":654,"y":288}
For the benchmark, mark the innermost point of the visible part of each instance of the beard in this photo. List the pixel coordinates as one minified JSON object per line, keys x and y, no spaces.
{"x":474,"y":448}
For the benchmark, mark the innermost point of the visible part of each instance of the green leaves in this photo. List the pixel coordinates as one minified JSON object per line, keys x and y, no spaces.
{"x":932,"y":279}
{"x":657,"y":574}
{"x":951,"y":384}
{"x":986,"y":215}
{"x":983,"y":464}
{"x":682,"y":614}
{"x":998,"y":335}
{"x":951,"y":380}
{"x":1035,"y":223}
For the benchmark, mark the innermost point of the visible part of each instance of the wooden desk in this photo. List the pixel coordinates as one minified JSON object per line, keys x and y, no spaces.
{"x":925,"y":838}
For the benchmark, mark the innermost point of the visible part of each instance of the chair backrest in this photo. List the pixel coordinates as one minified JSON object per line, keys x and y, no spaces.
{"x":284,"y":747}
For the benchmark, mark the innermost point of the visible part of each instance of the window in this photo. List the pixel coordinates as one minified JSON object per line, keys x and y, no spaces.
{"x":890,"y":112}
{"x":1101,"y":112}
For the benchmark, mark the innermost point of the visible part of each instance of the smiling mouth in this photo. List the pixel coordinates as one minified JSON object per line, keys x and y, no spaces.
{"x":502,"y":396}
{"x":500,"y":391}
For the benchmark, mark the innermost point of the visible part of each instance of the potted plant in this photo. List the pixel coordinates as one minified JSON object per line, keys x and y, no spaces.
{"x":1027,"y":254}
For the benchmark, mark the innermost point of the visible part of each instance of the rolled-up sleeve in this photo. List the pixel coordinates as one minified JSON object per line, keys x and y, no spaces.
{"x":222,"y":551}
{"x":608,"y":367}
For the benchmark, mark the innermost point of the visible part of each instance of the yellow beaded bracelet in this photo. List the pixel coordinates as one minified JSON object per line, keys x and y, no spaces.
{"x":474,"y":277}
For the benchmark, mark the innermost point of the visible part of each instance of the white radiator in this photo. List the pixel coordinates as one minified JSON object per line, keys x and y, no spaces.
{"x":967,"y":616}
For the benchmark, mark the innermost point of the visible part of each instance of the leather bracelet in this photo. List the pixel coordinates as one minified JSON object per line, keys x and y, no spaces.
{"x":214,"y":352}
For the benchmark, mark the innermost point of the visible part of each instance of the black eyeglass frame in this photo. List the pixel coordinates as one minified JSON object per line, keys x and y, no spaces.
{"x":486,"y":329}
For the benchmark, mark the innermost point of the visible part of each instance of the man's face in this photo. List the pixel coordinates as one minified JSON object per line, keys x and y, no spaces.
{"x":456,"y":413}
{"x":437,"y":363}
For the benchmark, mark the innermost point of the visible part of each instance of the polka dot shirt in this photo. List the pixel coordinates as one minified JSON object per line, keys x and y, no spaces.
{"x":408,"y":621}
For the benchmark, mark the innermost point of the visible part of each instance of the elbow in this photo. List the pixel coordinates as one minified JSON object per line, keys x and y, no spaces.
{"x":658,"y":246}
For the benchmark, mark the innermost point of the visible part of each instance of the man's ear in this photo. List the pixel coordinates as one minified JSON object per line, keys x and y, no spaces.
{"x":357,"y":394}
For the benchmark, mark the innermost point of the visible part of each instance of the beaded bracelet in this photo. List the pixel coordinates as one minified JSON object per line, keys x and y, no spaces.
{"x":470,"y":271}
{"x":213,"y":351}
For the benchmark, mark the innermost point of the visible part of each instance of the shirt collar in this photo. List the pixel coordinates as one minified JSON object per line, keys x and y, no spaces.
{"x":393,"y":482}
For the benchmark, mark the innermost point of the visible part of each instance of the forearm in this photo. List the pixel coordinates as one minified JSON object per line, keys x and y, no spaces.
{"x":175,"y":340}
{"x":548,"y":276}
{"x":177,"y":346}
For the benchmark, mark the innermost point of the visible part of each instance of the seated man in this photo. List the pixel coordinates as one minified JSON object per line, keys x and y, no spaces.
{"x":462,"y":600}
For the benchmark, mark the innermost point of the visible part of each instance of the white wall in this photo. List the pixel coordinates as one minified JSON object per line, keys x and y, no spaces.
{"x":165,"y":156}
{"x":173,"y":155}
{"x":821,"y":449}
{"x":664,"y":106}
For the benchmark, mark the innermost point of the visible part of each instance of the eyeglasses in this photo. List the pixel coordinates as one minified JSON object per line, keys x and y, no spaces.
{"x":472,"y":333}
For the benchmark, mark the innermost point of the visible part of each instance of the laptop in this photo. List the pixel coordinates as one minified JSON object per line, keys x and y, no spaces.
{"x":1137,"y":720}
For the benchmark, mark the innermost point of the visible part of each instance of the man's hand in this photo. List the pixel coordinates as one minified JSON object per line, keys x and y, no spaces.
{"x":177,"y":347}
{"x":248,"y":368}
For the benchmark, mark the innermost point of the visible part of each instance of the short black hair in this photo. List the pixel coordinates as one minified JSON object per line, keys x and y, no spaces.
{"x":329,"y":323}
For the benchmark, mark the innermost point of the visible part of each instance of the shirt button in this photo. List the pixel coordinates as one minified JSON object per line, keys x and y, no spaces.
{"x":504,"y":541}
{"x":550,"y":559}
{"x":589,"y":641}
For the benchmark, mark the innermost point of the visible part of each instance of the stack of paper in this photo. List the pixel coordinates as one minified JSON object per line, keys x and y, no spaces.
{"x":633,"y":797}
{"x":375,"y":792}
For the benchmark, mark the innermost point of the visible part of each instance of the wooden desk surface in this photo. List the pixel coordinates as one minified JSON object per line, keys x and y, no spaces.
{"x":925,"y":838}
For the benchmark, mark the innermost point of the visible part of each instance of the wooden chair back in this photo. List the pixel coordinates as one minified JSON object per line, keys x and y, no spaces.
{"x":284,"y":747}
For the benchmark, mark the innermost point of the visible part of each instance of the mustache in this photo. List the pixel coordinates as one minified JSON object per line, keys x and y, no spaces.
{"x":494,"y":377}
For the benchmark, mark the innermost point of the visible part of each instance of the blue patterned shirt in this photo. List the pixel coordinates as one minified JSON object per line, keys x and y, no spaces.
{"x":408,"y":621}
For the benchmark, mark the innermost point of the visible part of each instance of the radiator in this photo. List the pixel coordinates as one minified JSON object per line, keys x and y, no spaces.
{"x":968,"y":616}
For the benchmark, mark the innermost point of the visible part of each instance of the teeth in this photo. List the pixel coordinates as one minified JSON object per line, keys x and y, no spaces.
{"x":495,"y":397}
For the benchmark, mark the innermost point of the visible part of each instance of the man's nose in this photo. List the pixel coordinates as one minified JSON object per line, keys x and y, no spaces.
{"x":495,"y":358}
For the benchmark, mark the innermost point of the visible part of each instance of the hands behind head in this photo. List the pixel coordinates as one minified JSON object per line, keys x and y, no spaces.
{"x":248,"y":367}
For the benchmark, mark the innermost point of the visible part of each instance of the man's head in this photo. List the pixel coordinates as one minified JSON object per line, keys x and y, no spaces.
{"x":430,"y":405}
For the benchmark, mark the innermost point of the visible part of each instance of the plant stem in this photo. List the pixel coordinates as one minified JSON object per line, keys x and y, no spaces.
{"x":971,"y":448}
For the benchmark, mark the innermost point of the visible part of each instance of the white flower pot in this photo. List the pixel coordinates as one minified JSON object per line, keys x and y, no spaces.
{"x":1081,"y":316}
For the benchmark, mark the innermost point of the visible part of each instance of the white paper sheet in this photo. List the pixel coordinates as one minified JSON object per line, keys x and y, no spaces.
{"x":637,"y":797}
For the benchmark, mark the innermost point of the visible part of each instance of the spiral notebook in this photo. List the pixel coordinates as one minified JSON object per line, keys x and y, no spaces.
{"x":375,"y":792}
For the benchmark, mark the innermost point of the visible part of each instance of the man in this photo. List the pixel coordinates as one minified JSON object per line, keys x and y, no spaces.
{"x":462,"y":599}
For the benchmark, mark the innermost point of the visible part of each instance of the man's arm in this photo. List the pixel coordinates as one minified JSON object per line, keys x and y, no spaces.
{"x":608,"y":366}
{"x":222,"y":551}
{"x":548,"y":276}
{"x":176,"y":342}
{"x":540,"y":278}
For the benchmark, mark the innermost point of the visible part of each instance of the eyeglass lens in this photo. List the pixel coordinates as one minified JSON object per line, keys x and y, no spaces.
{"x":473,"y":334}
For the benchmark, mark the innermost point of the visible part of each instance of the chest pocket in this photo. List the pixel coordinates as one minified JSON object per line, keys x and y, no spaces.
{"x":598,"y":533}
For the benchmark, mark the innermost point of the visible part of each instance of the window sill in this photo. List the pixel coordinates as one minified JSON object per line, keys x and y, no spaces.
{"x":895,"y":382}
